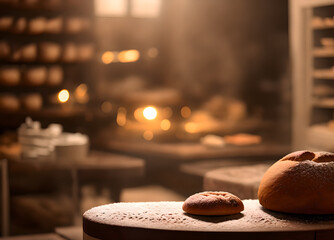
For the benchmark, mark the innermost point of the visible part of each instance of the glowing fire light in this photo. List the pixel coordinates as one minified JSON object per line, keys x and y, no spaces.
{"x":148,"y":135}
{"x":150,"y":113}
{"x":165,"y":124}
{"x":128,"y":56}
{"x":121,"y":116}
{"x":107,"y":57}
{"x":185,"y":112}
{"x":63,"y":96}
{"x":190,"y":127}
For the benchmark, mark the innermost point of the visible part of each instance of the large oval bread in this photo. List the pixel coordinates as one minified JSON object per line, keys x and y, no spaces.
{"x":301,"y":182}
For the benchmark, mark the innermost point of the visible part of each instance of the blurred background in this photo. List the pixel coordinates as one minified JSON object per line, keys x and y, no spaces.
{"x":146,"y":100}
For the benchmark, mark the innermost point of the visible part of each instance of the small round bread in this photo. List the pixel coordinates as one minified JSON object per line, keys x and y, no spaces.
{"x":301,"y":182}
{"x":213,"y":203}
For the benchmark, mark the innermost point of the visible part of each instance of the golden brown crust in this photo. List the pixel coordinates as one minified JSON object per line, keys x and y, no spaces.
{"x":324,"y":157}
{"x":300,"y":183}
{"x":213,"y":203}
{"x":299,"y":156}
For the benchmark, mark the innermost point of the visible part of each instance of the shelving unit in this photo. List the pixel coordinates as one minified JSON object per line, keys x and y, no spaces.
{"x":312,"y":54}
{"x":44,"y":35}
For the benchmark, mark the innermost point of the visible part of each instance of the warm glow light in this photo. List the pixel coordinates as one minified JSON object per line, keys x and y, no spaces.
{"x":185,"y":112}
{"x":63,"y":96}
{"x":106,"y":107}
{"x":115,"y":8}
{"x":165,"y":124}
{"x":107,"y":57}
{"x":150,"y":113}
{"x":128,"y":56}
{"x":167,"y":112}
{"x":145,"y":8}
{"x":138,"y":114}
{"x":121,"y":116}
{"x":152,"y":52}
{"x":148,"y":135}
{"x":190,"y":127}
{"x":81,"y":93}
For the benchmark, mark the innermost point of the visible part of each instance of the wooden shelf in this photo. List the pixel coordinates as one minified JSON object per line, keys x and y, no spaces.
{"x":48,"y":112}
{"x":324,"y":74}
{"x":323,"y":52}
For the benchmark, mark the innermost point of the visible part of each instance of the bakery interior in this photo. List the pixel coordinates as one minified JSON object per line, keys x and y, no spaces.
{"x":106,"y":101}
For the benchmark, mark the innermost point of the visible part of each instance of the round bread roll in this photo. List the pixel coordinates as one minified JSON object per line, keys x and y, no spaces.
{"x":54,"y":25}
{"x":37,"y":25}
{"x":213,"y":203}
{"x":70,"y":52}
{"x":301,"y":182}
{"x":55,"y":75}
{"x":10,"y":76}
{"x":28,"y":52}
{"x":50,"y":52}
{"x":4,"y":50}
{"x":85,"y":52}
{"x":6,"y":23}
{"x":20,"y":25}
{"x":9,"y":102}
{"x":35,"y":76}
{"x":32,"y":101}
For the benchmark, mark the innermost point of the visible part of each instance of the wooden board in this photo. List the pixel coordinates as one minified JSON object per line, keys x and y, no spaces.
{"x":166,"y":220}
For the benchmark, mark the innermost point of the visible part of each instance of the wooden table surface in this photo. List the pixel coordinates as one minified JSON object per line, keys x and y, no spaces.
{"x":166,"y":220}
{"x":193,"y":151}
{"x":96,"y":160}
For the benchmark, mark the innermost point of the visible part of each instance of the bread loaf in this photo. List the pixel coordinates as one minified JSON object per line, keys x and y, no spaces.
{"x":301,"y":182}
{"x":213,"y":203}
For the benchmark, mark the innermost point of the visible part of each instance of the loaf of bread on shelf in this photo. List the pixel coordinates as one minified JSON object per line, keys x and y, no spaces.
{"x":70,"y":52}
{"x":20,"y":25}
{"x":9,"y":102}
{"x":35,"y":76}
{"x":55,"y":75}
{"x":37,"y":25}
{"x":85,"y":52}
{"x":4,"y":50}
{"x":76,"y":25}
{"x":32,"y":101}
{"x":28,"y":52}
{"x":10,"y":76}
{"x":302,"y":182}
{"x":6,"y":23}
{"x":54,"y":25}
{"x":50,"y":51}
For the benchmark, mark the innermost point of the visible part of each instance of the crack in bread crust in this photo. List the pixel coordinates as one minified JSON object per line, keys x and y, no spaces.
{"x":305,"y":155}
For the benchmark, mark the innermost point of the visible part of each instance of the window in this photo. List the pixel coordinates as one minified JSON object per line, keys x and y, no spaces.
{"x":133,"y":8}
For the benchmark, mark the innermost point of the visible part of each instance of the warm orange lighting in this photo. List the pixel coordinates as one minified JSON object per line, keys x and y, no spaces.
{"x":63,"y":96}
{"x":152,"y":52}
{"x":166,"y":112}
{"x":138,"y":114}
{"x":148,"y":135}
{"x":81,"y":93}
{"x":107,"y":57}
{"x":165,"y":124}
{"x":150,"y":113}
{"x":106,"y":107}
{"x":121,"y":116}
{"x":185,"y":112}
{"x":128,"y":56}
{"x":190,"y":127}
